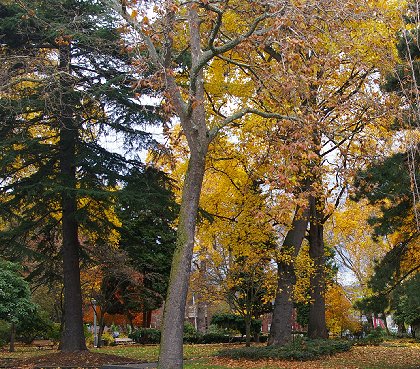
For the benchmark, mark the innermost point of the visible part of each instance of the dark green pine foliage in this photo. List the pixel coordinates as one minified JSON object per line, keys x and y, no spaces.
{"x":405,"y":303}
{"x":384,"y":182}
{"x":147,"y":211}
{"x":66,"y":84}
{"x":388,"y":184}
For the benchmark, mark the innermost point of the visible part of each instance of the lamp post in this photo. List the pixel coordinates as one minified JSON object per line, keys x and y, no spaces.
{"x":95,"y":335}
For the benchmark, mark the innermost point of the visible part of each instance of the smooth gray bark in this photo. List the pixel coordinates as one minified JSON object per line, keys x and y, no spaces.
{"x":171,"y":349}
{"x":194,"y":125}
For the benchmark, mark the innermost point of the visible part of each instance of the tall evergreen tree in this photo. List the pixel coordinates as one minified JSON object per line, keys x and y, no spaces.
{"x":68,"y":84}
{"x":147,"y":212}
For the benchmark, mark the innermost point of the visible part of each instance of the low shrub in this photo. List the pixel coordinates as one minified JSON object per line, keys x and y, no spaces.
{"x":191,"y":335}
{"x":215,"y":337}
{"x":4,"y":332}
{"x":89,"y":338}
{"x":33,"y":326}
{"x":107,"y":339}
{"x":374,"y":338}
{"x":301,"y":349}
{"x":54,"y":333}
{"x":145,"y":335}
{"x":263,"y":338}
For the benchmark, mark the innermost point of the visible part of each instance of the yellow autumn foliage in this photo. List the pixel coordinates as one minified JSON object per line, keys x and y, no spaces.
{"x":351,"y":235}
{"x":340,"y":315}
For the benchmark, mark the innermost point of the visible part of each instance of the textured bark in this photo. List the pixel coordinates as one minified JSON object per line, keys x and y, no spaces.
{"x":281,"y":326}
{"x":317,"y":327}
{"x":171,"y":348}
{"x":73,"y":338}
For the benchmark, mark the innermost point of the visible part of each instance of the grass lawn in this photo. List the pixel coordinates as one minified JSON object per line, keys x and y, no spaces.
{"x":389,"y":355}
{"x":150,"y":352}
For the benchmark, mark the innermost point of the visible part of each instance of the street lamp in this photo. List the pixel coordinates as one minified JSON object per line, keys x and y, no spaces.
{"x":95,"y":335}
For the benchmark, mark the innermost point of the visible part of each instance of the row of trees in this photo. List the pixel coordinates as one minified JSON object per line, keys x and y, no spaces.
{"x":274,"y":108}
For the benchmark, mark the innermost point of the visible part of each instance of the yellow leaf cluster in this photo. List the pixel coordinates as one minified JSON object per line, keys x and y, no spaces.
{"x":339,"y":313}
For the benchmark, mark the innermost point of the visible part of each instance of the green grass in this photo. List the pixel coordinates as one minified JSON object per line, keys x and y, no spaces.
{"x":23,"y":352}
{"x":151,"y":352}
{"x":401,"y":354}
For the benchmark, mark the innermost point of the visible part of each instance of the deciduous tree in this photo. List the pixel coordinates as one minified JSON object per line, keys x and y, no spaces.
{"x":207,"y":32}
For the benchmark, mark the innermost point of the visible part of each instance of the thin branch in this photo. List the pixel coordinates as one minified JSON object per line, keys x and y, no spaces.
{"x":239,"y":114}
{"x":210,"y":54}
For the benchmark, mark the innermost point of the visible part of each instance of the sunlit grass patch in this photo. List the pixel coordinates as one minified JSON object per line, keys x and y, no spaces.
{"x":151,"y":352}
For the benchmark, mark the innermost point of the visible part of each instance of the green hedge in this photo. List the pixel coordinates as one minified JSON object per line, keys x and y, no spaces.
{"x":301,"y":349}
{"x":235,"y":322}
{"x":151,"y":336}
{"x":145,"y":335}
{"x":214,"y":335}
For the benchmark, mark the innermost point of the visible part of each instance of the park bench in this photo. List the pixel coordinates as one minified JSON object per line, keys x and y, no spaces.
{"x":123,"y":341}
{"x":43,"y":344}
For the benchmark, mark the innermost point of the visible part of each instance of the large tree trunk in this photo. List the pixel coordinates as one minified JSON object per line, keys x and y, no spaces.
{"x":193,"y":122}
{"x":171,"y":350}
{"x":281,"y":326}
{"x":317,"y":327}
{"x":73,"y":338}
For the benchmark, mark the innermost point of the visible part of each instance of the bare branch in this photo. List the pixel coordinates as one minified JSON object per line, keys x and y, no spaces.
{"x":239,"y":114}
{"x":215,"y":51}
{"x":118,"y":7}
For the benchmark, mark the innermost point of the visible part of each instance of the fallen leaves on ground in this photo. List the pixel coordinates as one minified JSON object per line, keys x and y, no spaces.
{"x":390,"y":355}
{"x":372,"y":357}
{"x":84,"y":359}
